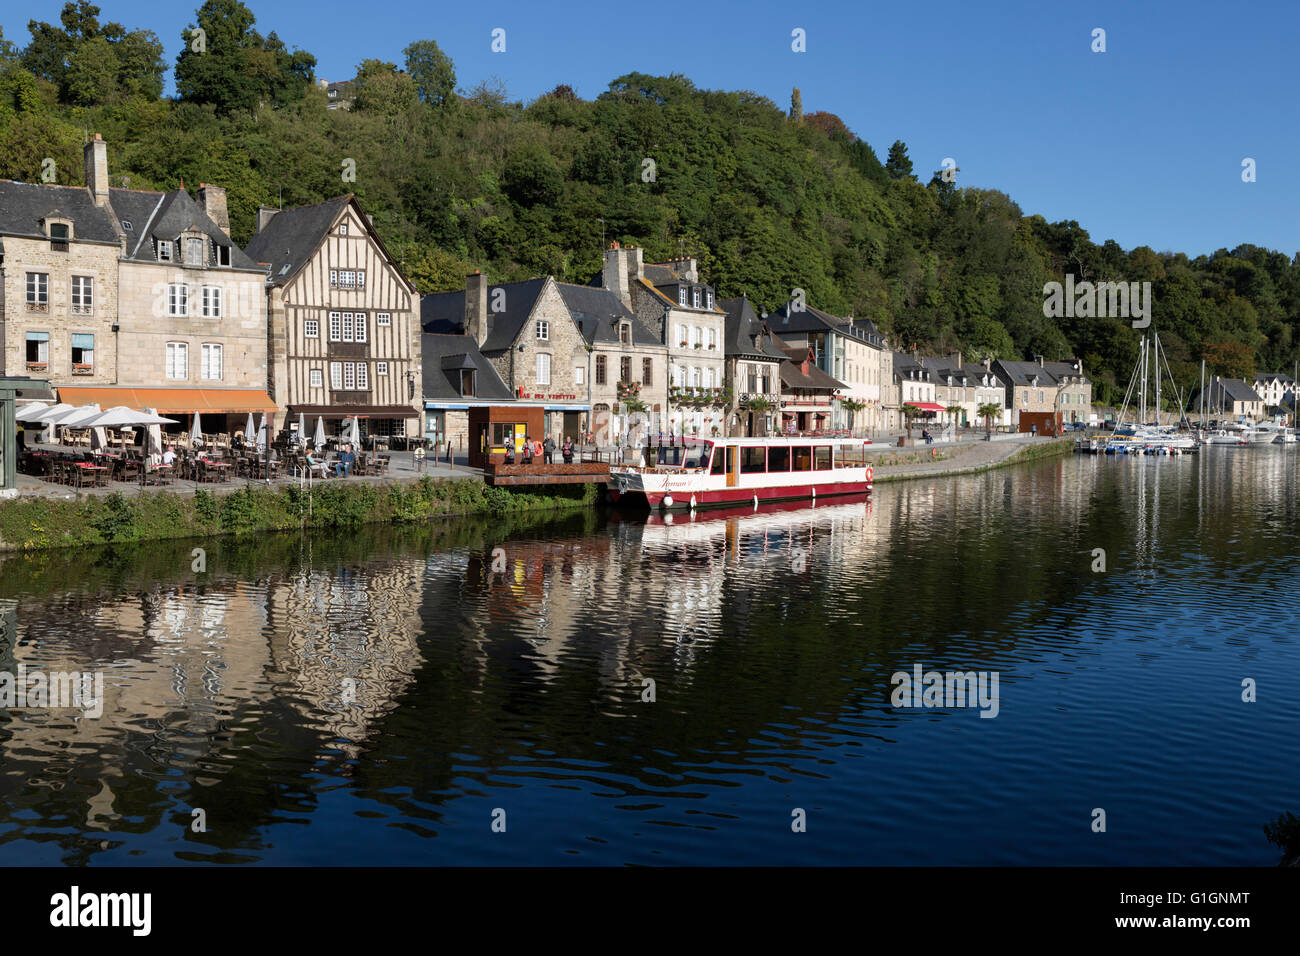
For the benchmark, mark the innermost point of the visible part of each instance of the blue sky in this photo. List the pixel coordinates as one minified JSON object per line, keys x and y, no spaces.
{"x":1142,"y":144}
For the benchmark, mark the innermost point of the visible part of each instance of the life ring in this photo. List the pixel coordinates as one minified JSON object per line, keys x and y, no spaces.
{"x":871,"y":474}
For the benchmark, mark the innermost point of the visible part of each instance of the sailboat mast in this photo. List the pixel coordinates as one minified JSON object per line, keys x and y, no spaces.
{"x":1142,"y":401}
{"x":1202,"y":391}
{"x":1155,"y":353}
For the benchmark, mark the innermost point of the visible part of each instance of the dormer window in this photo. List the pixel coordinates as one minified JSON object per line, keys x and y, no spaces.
{"x":59,"y":233}
{"x":695,"y":298}
{"x":164,"y":250}
{"x":681,"y":295}
{"x":128,"y":225}
{"x":194,"y":252}
{"x":708,"y":298}
{"x":223,"y":255}
{"x":624,"y":333}
{"x":467,"y":383}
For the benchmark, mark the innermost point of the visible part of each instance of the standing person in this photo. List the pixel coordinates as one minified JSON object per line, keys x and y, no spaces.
{"x":548,"y":450}
{"x":510,"y":450}
{"x":567,"y":450}
{"x":1033,"y":431}
{"x":528,"y":450}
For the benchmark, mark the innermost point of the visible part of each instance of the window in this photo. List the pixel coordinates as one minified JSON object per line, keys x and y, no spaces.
{"x":210,"y":362}
{"x":543,"y":368}
{"x":363,"y":375}
{"x":317,"y":379}
{"x":128,"y":225}
{"x":753,"y":459}
{"x":1040,"y":398}
{"x":336,"y":375}
{"x":681,"y":335}
{"x":383,"y":319}
{"x":336,"y":326}
{"x":345,"y":279}
{"x":778,"y":459}
{"x":624,"y":333}
{"x":695,"y":298}
{"x":695,"y":335}
{"x":467,"y":382}
{"x":681,"y":295}
{"x":311,"y":328}
{"x":223,"y":254}
{"x":349,"y":331}
{"x":83,"y":295}
{"x":543,"y":330}
{"x":695,"y":377}
{"x":678,"y":375}
{"x":59,"y":236}
{"x":600,"y":370}
{"x":713,"y":338}
{"x":178,"y":299}
{"x":360,"y":326}
{"x":211,"y":302}
{"x":381,"y":368}
{"x":708,"y":378}
{"x":625,"y":369}
{"x":83,"y":353}
{"x":38,"y":349}
{"x":1024,"y":397}
{"x":164,"y":250}
{"x":343,"y":229}
{"x":194,"y":252}
{"x":350,"y":376}
{"x":334,"y":278}
{"x":178,"y":360}
{"x":647,"y":371}
{"x":708,"y":298}
{"x":719,"y":462}
{"x":38,"y":292}
{"x":802,"y":458}
{"x":578,"y":374}
{"x":361,"y":279}
{"x":822,"y":458}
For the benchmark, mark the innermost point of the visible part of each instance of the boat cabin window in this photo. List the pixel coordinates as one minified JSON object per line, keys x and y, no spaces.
{"x":778,"y":459}
{"x":687,"y":456}
{"x":753,"y":459}
{"x":822,"y":458}
{"x":802,"y":458}
{"x":721,"y":462}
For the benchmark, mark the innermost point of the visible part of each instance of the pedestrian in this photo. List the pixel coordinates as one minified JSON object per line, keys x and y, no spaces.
{"x":528,"y":450}
{"x":510,"y":450}
{"x":548,"y":450}
{"x":1033,"y":431}
{"x":567,"y":450}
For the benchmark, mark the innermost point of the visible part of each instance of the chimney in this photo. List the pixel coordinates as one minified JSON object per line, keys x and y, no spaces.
{"x":954,"y":358}
{"x":1040,"y":361}
{"x":213,"y":201}
{"x":95,"y":154}
{"x":689,"y":269}
{"x":476,"y":302}
{"x":988,"y":363}
{"x":614,"y":275}
{"x":264,"y":215}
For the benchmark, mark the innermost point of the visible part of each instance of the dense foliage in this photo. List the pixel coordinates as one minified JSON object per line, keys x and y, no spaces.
{"x":768,"y":200}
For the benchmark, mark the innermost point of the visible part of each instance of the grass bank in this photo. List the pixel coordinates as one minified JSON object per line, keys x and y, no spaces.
{"x":33,"y":524}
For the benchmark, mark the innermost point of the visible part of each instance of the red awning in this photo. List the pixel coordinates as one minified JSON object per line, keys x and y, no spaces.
{"x":231,"y":401}
{"x":927,"y":406}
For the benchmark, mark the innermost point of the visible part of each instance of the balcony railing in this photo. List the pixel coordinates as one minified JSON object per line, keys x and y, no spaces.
{"x":38,"y":307}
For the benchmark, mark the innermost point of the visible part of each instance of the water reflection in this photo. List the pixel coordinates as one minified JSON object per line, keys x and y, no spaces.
{"x":372,"y":696}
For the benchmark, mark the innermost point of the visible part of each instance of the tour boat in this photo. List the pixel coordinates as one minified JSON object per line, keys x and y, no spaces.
{"x":700,"y":473}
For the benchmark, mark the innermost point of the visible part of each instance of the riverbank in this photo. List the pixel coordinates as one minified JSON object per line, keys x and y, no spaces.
{"x":31,"y":523}
{"x":34,"y":524}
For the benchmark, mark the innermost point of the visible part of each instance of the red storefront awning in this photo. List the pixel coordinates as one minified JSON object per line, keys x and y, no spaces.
{"x":231,"y":401}
{"x":927,"y":406}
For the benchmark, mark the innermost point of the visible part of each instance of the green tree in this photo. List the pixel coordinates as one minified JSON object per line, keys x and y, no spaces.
{"x":433,"y":73}
{"x":382,"y":89}
{"x":989,"y":411}
{"x":796,"y":106}
{"x":898,"y":164}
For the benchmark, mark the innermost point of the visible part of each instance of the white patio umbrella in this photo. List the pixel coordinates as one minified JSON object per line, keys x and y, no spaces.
{"x":78,"y":418}
{"x":33,"y":411}
{"x":302,"y":428}
{"x":196,"y":430}
{"x":153,"y":435}
{"x":45,"y":415}
{"x":354,"y":431}
{"x":318,"y":439}
{"x":120,"y":416}
{"x":261,"y":434}
{"x":248,"y":429}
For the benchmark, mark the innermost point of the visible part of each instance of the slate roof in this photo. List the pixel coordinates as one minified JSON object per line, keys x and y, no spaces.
{"x":443,"y":356}
{"x":908,"y":367}
{"x":1274,"y":377}
{"x":444,"y":312}
{"x":598,"y":311}
{"x":165,"y":216}
{"x":292,"y":236}
{"x":742,"y":325}
{"x":792,"y":375}
{"x":1060,"y":370}
{"x":24,"y":205}
{"x":1022,"y":373}
{"x":810,"y":319}
{"x":1234,"y":389}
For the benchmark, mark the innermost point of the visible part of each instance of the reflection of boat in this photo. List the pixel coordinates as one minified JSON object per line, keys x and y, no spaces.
{"x":1226,"y":437}
{"x":691,"y":473}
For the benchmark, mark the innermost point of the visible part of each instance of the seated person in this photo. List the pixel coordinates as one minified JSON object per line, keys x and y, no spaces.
{"x":343,"y":468}
{"x":169,"y":457}
{"x":314,"y":463}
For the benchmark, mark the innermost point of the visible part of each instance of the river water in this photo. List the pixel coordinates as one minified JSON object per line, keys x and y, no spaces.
{"x":716,"y":690}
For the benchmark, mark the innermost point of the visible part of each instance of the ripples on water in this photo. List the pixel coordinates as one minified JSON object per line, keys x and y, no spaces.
{"x":376,"y":697}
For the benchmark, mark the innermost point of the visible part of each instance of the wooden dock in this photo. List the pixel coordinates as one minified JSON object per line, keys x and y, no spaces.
{"x":587,"y":472}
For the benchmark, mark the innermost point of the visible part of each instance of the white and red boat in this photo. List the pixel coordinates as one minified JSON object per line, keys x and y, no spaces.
{"x":701,"y":473}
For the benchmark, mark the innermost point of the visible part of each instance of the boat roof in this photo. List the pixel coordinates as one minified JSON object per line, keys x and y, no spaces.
{"x":775,"y":441}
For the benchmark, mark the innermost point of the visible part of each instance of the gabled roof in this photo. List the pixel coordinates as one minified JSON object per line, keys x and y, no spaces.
{"x":792,"y":376}
{"x":913,"y":369}
{"x":742,"y":325}
{"x":598,"y":312}
{"x":1233,"y":389}
{"x":293,"y":236}
{"x":444,"y":312}
{"x":786,"y":320}
{"x":1061,"y":370}
{"x":24,"y":205}
{"x":1023,"y":373}
{"x":164,"y":216}
{"x":1274,"y":377}
{"x":443,"y":358}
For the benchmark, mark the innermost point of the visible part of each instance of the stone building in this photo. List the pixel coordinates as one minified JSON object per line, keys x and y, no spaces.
{"x":343,"y":321}
{"x":526,"y":330}
{"x":681,"y":313}
{"x":132,"y":297}
{"x":753,"y":372}
{"x":967,"y":386}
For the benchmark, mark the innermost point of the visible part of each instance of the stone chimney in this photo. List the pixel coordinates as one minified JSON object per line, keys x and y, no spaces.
{"x":954,"y":359}
{"x":264,"y":215}
{"x":616,"y":273}
{"x":476,"y":303}
{"x":1040,"y":361}
{"x":988,"y":363}
{"x":95,"y":154}
{"x":213,"y":201}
